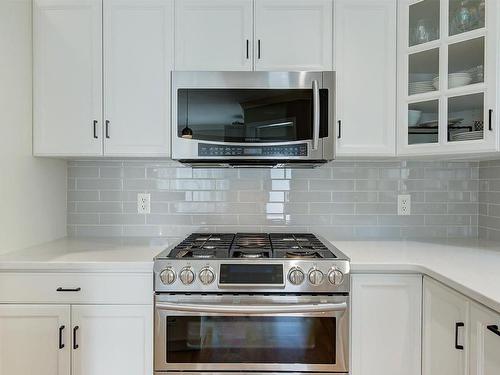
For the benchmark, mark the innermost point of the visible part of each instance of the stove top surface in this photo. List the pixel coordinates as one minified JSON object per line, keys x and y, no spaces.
{"x":253,"y":246}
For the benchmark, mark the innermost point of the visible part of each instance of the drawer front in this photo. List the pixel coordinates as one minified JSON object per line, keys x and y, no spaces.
{"x":93,"y":288}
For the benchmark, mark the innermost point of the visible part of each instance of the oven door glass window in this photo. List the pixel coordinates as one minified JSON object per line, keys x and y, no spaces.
{"x":249,"y":116}
{"x":263,"y":339}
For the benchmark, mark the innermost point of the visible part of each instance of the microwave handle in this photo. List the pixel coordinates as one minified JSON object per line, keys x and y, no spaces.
{"x":253,"y":309}
{"x":315,"y":88}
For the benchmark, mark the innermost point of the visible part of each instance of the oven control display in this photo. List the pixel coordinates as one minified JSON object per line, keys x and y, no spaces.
{"x":269,"y":274}
{"x":205,"y":149}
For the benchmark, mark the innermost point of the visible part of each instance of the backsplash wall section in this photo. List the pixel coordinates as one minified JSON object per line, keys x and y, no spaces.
{"x":489,"y":200}
{"x":342,"y":200}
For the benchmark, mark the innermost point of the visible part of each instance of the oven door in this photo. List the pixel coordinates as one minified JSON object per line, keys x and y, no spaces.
{"x":251,"y":333}
{"x":252,"y":115}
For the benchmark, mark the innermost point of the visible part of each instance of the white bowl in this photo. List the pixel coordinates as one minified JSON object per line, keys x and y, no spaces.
{"x":414,"y":117}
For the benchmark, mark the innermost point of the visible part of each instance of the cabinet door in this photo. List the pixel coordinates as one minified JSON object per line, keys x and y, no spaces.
{"x":34,"y":339}
{"x":213,"y":35}
{"x":445,"y":338}
{"x":365,"y":62}
{"x":138,"y":59}
{"x":386,"y":324}
{"x":485,"y":341}
{"x":293,"y":35}
{"x":67,"y":86}
{"x":112,"y":340}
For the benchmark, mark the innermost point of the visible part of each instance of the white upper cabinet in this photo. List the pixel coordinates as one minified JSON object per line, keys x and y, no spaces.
{"x":386,"y":324}
{"x":445,"y":330}
{"x":293,"y":35}
{"x":67,"y":77}
{"x":485,"y":341}
{"x":447,"y":77}
{"x":138,"y":59}
{"x":365,"y":63}
{"x":112,"y":340}
{"x":213,"y":34}
{"x":35,"y":339}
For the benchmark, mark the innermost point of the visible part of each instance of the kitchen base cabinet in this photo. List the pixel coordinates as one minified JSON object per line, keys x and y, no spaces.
{"x":35,"y":339}
{"x":386,"y":324}
{"x":445,"y":345}
{"x":485,"y":341}
{"x":112,"y":340}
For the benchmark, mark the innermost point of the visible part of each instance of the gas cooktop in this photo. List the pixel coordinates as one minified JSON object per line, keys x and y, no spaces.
{"x":252,"y":262}
{"x":252,"y":246}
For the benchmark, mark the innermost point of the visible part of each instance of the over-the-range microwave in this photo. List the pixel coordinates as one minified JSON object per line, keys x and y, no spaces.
{"x":253,"y":119}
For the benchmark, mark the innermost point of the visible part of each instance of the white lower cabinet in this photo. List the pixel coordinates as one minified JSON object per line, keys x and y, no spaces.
{"x":460,"y":336}
{"x":34,"y":339}
{"x":485,"y":341}
{"x":386,"y":324}
{"x":444,"y":330}
{"x":112,"y":340}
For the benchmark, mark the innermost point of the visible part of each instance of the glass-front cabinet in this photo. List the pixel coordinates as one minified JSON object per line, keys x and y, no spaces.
{"x":448,"y":76}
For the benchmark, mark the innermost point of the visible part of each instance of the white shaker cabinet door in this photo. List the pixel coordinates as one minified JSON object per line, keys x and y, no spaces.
{"x":445,"y":327}
{"x":213,"y":35}
{"x":112,"y":340}
{"x":386,"y":324}
{"x":485,"y":341}
{"x":365,"y":62}
{"x":293,"y":35}
{"x":138,"y":60}
{"x":35,"y":339}
{"x":67,"y":81}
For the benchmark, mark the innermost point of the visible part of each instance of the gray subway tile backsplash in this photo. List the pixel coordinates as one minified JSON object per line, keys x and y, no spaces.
{"x":341,"y":200}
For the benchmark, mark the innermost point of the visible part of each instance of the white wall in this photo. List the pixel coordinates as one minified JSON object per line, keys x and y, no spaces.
{"x":32,"y":191}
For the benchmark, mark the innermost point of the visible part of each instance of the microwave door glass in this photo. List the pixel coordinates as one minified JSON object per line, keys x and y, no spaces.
{"x":248,"y":115}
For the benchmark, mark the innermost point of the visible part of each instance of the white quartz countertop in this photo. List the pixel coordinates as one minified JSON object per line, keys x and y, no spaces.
{"x":470,"y":266}
{"x":87,"y":255}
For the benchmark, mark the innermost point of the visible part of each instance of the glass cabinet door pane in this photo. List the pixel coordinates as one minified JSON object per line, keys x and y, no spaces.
{"x":423,"y":122}
{"x":423,"y":72}
{"x":466,"y":63}
{"x":466,"y":117}
{"x":424,"y":22}
{"x":466,"y":15}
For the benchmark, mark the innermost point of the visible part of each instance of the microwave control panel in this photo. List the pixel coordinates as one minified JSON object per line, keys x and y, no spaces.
{"x":205,"y":149}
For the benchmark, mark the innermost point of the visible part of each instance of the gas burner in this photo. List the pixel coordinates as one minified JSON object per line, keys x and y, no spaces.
{"x":303,"y":254}
{"x":250,"y":255}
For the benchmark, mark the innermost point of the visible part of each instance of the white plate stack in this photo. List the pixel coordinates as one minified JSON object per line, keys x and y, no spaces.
{"x":420,"y":87}
{"x":455,"y":80}
{"x":467,"y":136}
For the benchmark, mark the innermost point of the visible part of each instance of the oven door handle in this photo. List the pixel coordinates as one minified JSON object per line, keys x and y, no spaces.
{"x":316,"y":114}
{"x":253,"y":309}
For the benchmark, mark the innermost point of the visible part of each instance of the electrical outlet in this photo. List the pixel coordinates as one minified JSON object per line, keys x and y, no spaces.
{"x":404,"y":204}
{"x":143,"y":203}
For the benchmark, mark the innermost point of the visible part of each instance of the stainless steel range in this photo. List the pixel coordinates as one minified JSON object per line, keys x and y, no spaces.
{"x":252,"y":302}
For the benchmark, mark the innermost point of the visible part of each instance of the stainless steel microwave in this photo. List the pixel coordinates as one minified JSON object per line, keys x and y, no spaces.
{"x":253,"y":119}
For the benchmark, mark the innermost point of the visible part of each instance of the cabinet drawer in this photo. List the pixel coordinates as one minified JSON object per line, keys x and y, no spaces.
{"x":95,"y":288}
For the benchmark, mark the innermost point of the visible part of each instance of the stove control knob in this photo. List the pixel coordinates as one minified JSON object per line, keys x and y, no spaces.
{"x":296,"y":276}
{"x":186,"y":275}
{"x":167,"y":276}
{"x":315,"y":276}
{"x":335,"y":276}
{"x":206,"y":276}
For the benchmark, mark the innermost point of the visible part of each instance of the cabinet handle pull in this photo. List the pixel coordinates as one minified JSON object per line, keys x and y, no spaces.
{"x":490,"y":119}
{"x":258,"y":49}
{"x":457,"y":326}
{"x":107,"y":129}
{"x":68,"y":289}
{"x":339,"y":135}
{"x":494,"y":329}
{"x":248,"y":49}
{"x":61,"y":344}
{"x":75,"y":345}
{"x":95,"y":129}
